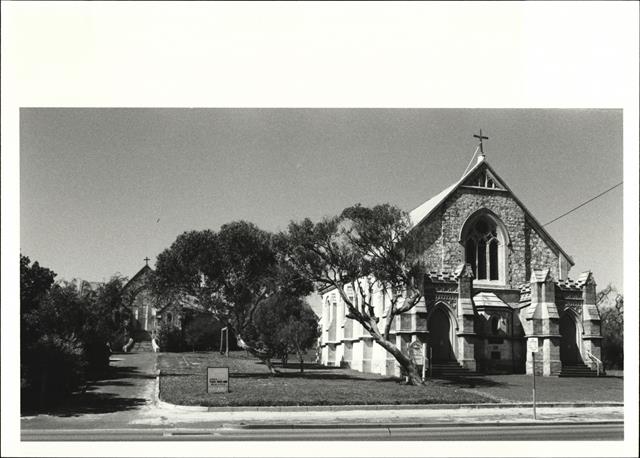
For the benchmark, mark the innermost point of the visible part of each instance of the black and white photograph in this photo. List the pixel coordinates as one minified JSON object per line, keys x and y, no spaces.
{"x":284,"y":229}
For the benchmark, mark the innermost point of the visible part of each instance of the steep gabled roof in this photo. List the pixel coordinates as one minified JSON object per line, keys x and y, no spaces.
{"x":146,"y":269}
{"x":421,"y":213}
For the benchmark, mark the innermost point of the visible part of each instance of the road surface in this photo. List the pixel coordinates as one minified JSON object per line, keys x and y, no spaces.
{"x":542,"y":432}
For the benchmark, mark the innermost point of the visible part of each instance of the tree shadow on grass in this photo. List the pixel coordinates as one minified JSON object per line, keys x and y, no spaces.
{"x":294,"y":375}
{"x":308,"y":366}
{"x":180,"y":374}
{"x":468,"y":382}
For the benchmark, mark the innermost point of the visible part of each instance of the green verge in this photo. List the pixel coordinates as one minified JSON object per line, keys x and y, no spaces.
{"x":183,"y":382}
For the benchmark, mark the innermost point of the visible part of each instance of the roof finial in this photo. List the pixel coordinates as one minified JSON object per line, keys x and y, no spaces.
{"x":481,"y":137}
{"x":146,"y":261}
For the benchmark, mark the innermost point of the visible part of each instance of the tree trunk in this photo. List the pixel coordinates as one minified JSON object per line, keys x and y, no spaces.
{"x":262,"y":356}
{"x":301,"y":362}
{"x":269,"y":364}
{"x":411,"y":370}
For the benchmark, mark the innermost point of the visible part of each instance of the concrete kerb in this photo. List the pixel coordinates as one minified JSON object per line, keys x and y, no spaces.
{"x":333,"y":408}
{"x":396,"y":425}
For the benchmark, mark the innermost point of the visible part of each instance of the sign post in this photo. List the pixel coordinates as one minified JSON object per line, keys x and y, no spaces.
{"x":533,"y":357}
{"x":224,"y":333}
{"x":217,"y":379}
{"x":424,"y":360}
{"x":532,"y":346}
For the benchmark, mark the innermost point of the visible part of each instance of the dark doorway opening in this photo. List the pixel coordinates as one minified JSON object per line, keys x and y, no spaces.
{"x":440,"y":333}
{"x":569,"y":350}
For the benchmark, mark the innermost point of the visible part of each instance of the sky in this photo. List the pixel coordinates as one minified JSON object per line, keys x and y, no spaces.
{"x":103,"y":188}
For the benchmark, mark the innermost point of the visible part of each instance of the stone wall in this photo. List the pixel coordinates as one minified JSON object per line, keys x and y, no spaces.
{"x":538,"y":253}
{"x":431,"y":236}
{"x":443,"y":250}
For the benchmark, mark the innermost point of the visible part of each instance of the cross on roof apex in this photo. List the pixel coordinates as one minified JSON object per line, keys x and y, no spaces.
{"x":146,"y":260}
{"x":481,"y":137}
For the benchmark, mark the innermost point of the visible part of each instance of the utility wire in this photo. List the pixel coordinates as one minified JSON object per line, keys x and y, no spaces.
{"x":582,"y":204}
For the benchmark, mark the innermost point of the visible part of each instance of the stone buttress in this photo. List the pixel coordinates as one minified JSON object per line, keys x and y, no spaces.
{"x":542,"y":326}
{"x":466,"y":334}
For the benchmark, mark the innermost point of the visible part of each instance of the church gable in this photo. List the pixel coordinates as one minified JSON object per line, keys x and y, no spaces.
{"x":478,"y":220}
{"x":140,"y":280}
{"x":483,"y":178}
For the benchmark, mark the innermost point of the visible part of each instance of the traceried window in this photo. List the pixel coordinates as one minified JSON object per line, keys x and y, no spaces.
{"x":482,"y":249}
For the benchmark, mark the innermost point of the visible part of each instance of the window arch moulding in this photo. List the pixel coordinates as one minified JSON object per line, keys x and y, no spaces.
{"x":484,"y":240}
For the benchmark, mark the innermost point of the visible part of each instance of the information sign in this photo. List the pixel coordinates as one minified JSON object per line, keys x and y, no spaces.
{"x":415,"y":350}
{"x":217,"y":379}
{"x":532,"y":345}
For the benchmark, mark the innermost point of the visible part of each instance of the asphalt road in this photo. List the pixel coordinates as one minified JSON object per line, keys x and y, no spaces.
{"x":121,"y":408}
{"x":529,"y":432}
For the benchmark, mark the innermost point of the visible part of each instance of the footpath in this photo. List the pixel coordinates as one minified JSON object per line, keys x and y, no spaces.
{"x":347,"y":416}
{"x":131,"y":401}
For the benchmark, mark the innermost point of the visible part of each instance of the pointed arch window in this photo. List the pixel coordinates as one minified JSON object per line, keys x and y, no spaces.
{"x":484,"y":248}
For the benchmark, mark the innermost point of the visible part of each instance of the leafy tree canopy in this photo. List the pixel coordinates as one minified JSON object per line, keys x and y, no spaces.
{"x":365,"y":249}
{"x":229,"y":273}
{"x":35,"y":282}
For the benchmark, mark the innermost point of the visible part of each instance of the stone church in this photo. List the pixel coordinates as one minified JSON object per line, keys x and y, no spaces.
{"x":149,"y":312}
{"x":497,"y":294}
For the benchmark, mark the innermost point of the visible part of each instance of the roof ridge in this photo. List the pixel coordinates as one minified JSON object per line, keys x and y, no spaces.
{"x":421,"y":212}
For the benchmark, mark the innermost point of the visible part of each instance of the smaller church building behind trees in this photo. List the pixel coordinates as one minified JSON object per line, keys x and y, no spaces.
{"x":150,"y":312}
{"x":496,"y":287}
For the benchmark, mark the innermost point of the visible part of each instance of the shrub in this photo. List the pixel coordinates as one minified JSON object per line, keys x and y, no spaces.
{"x":285,"y":324}
{"x":202,"y":332}
{"x":170,"y":338}
{"x":611,"y":306}
{"x":52,"y":367}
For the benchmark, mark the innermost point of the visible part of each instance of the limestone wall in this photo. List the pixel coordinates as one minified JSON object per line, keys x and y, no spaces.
{"x":431,"y":236}
{"x":538,"y":254}
{"x":528,"y":249}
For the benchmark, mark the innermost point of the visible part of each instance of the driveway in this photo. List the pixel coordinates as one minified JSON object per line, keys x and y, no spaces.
{"x":114,"y":402}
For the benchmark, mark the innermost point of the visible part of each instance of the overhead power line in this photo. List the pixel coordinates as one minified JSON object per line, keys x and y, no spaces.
{"x":582,"y":204}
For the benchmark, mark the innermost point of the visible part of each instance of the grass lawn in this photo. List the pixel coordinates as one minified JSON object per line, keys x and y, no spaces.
{"x":517,"y":388}
{"x":183,"y":382}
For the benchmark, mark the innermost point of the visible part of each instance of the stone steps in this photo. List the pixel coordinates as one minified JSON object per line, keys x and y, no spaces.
{"x":577,"y":370}
{"x":144,"y":346}
{"x":449,"y":369}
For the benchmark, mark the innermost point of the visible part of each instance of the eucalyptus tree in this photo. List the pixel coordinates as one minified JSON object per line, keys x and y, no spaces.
{"x":229,"y":273}
{"x":369,"y":250}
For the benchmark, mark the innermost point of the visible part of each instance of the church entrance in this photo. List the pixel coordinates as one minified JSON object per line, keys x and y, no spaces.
{"x":569,"y":349}
{"x":440,"y":333}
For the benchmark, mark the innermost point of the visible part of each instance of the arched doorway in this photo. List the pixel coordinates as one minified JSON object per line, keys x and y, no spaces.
{"x":569,"y":345}
{"x":440,"y":336}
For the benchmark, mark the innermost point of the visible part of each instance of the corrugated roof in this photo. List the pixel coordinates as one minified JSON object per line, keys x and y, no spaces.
{"x":539,"y":275}
{"x":583,"y":278}
{"x":485,"y":299}
{"x":418,"y":214}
